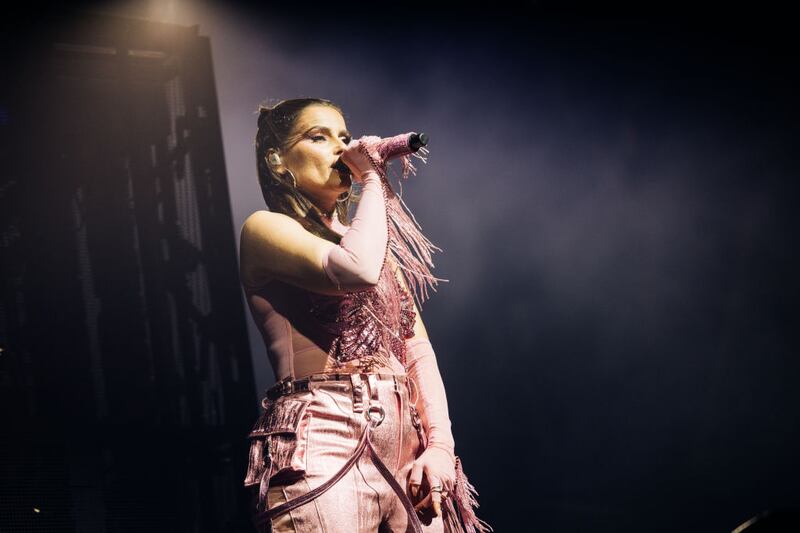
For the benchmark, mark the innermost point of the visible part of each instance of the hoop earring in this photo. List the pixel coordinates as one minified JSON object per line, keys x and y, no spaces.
{"x":345,"y":198}
{"x":294,"y":180}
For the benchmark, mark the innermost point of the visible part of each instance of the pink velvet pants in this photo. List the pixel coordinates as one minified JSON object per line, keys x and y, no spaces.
{"x":310,"y":436}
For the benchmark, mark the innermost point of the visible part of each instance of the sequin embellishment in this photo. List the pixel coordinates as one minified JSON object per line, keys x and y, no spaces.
{"x":372,"y":324}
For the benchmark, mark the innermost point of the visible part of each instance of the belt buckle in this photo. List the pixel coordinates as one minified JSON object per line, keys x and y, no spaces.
{"x":286,"y":387}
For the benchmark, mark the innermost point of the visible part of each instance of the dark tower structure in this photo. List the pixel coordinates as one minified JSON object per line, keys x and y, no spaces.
{"x":126,"y":382}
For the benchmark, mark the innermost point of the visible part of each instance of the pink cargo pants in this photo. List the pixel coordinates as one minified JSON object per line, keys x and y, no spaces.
{"x":304,"y":438}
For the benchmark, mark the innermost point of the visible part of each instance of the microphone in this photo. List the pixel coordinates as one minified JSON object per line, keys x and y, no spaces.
{"x":391,"y":147}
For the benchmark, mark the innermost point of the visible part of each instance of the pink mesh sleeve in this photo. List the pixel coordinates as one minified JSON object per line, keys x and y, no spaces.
{"x":424,"y":370}
{"x":458,"y":511}
{"x":357,"y":261}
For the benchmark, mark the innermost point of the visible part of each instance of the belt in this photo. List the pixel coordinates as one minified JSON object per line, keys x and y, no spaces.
{"x":287,"y":386}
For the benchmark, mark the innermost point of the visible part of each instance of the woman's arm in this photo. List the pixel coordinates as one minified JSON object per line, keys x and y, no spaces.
{"x":275,"y":246}
{"x":437,"y":462}
{"x":359,"y":258}
{"x":423,"y":367}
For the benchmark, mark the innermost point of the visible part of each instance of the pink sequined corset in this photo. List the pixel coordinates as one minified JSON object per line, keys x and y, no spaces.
{"x":371,"y":324}
{"x":300,"y":328}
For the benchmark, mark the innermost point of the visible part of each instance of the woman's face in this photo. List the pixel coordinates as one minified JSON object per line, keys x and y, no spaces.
{"x":318,"y":139}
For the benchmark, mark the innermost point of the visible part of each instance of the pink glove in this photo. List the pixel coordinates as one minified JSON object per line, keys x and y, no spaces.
{"x":362,"y":157}
{"x":357,"y":261}
{"x":437,"y":462}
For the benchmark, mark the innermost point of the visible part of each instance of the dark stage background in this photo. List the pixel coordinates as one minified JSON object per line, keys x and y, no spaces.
{"x":614,"y":192}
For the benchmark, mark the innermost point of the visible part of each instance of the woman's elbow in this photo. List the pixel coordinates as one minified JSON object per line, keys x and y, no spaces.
{"x":370,"y":276}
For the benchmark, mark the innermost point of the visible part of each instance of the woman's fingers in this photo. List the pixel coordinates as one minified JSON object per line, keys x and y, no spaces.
{"x":426,"y":502}
{"x":415,"y":479}
{"x":434,"y":496}
{"x":359,"y":155}
{"x":437,"y":502}
{"x":432,"y":499}
{"x":435,"y":493}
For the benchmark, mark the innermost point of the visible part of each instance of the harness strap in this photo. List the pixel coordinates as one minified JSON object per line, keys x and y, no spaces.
{"x":412,"y":514}
{"x":364,"y":443}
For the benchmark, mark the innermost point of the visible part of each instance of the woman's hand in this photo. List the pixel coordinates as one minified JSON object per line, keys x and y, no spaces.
{"x":356,"y":159}
{"x":440,"y":471}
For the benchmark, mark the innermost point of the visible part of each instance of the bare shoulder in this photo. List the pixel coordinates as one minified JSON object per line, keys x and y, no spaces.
{"x":267,"y":226}
{"x":260,"y":228}
{"x":265,"y":220}
{"x":276,"y":246}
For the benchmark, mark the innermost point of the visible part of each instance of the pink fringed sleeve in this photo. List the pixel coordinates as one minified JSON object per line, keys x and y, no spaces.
{"x":357,"y":261}
{"x":459,"y":511}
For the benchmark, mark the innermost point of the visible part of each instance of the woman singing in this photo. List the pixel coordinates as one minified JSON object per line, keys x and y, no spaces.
{"x":355,"y":435}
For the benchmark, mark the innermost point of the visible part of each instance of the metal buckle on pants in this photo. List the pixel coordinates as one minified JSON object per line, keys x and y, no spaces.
{"x":379,"y":408}
{"x":364,"y":446}
{"x":287,"y":386}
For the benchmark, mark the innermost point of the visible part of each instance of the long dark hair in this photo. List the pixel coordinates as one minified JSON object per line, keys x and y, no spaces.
{"x":275,"y":123}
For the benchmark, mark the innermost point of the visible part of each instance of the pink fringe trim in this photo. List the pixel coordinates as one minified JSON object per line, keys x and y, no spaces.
{"x":410,"y":248}
{"x":457,"y":512}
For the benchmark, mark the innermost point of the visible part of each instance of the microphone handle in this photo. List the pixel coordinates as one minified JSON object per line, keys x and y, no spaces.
{"x":400,"y":145}
{"x":391,"y":147}
{"x":418,"y":140}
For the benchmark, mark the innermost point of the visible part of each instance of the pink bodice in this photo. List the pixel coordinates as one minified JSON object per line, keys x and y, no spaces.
{"x":307,"y":332}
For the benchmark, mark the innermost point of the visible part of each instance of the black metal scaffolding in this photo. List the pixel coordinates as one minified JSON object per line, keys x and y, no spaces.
{"x":125,"y":377}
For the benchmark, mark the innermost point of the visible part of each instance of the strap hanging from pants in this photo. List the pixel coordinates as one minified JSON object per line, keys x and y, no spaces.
{"x":364,"y":445}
